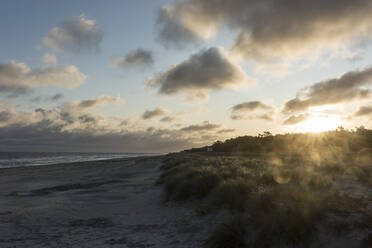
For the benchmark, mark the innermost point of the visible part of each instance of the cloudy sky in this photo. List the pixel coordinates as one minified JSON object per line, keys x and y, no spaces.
{"x":159,"y":76}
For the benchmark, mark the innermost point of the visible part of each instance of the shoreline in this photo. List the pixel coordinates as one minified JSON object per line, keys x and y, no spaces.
{"x":82,"y":163}
{"x":106,"y":203}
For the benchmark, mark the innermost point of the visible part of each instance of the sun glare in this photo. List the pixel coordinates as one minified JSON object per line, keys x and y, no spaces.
{"x":318,"y":124}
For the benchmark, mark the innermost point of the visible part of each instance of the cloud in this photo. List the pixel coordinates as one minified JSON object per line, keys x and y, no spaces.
{"x":40,"y":137}
{"x":265,"y":117}
{"x":49,"y":59}
{"x":171,"y":31}
{"x":157,"y":112}
{"x":250,"y":106}
{"x":243,"y":111}
{"x":178,"y":116}
{"x":53,"y":98}
{"x":5,"y":116}
{"x":205,"y":126}
{"x":56,"y":97}
{"x":170,"y":119}
{"x":292,"y":120}
{"x":203,"y":72}
{"x":139,"y":57}
{"x":91,"y":103}
{"x":268,"y":29}
{"x":363,"y":111}
{"x":73,"y":126}
{"x":348,"y":87}
{"x":77,"y":34}
{"x":85,"y":118}
{"x":17,"y":78}
{"x":59,"y":129}
{"x":223,"y":131}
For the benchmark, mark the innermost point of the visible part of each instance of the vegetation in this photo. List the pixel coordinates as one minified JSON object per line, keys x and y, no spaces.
{"x":298,"y":143}
{"x":280,"y":195}
{"x":339,"y":150}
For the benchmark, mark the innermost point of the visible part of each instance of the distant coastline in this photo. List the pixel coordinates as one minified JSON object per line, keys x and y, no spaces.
{"x":26,"y":159}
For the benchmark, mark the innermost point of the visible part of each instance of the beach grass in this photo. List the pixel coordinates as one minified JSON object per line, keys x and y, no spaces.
{"x":270,"y":200}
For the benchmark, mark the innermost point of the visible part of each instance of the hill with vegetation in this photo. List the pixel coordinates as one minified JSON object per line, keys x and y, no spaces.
{"x":339,"y":140}
{"x":289,"y":190}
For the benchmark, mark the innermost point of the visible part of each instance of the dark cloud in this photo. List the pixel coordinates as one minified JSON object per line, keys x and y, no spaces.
{"x":139,"y":57}
{"x":88,"y":118}
{"x":205,"y":126}
{"x":56,"y":97}
{"x":222,"y":131}
{"x":14,"y":90}
{"x":250,"y":106}
{"x":243,"y":111}
{"x":269,"y":28}
{"x":64,"y":129}
{"x":149,"y":114}
{"x":53,"y":98}
{"x":5,"y":116}
{"x":77,"y":34}
{"x":11,"y":76}
{"x":171,"y":31}
{"x":17,"y":78}
{"x":67,"y":117}
{"x":41,"y":137}
{"x":91,"y":103}
{"x":203,"y":72}
{"x":168,"y":119}
{"x":76,"y":113}
{"x":296,"y":104}
{"x":292,"y":120}
{"x":124,"y":123}
{"x":363,"y":111}
{"x":57,"y":130}
{"x":40,"y":110}
{"x":346,"y":88}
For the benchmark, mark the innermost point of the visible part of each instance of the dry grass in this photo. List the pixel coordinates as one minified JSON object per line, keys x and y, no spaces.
{"x":282,"y":199}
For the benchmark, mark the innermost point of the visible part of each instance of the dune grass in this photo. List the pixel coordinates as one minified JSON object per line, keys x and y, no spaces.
{"x":271,"y":200}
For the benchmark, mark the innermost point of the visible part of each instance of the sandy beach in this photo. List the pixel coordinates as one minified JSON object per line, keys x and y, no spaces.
{"x":112,"y":203}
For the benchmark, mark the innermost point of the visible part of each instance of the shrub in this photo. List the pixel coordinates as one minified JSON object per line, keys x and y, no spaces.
{"x":229,"y":234}
{"x":283,"y":202}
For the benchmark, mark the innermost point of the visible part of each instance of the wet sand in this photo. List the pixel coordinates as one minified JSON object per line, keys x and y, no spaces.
{"x":111,"y":203}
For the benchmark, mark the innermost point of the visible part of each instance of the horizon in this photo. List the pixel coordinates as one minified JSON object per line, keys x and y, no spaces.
{"x":165,"y":76}
{"x":263,"y":134}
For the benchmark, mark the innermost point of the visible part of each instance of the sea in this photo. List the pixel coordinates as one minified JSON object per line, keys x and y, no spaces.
{"x":21,"y":159}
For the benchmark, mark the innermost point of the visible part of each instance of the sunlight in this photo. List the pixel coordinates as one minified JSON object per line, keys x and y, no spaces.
{"x":318,"y":124}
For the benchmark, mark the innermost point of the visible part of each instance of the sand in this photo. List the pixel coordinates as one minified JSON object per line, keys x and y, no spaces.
{"x":112,"y":203}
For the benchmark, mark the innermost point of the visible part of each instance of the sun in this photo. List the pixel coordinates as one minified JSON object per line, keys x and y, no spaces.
{"x":316,"y":124}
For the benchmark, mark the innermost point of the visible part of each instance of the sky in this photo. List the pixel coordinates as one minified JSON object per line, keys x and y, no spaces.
{"x":162,"y":76}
